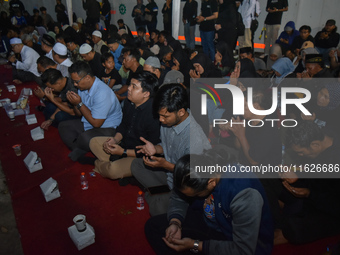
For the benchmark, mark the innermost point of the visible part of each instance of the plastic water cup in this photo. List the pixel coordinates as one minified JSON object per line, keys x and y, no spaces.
{"x":80,"y":222}
{"x":17,"y":149}
{"x":11,"y":115}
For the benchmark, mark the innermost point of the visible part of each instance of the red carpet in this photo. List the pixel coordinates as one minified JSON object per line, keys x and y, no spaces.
{"x":109,"y":208}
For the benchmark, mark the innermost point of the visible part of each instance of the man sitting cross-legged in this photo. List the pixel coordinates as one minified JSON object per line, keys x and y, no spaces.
{"x":96,"y":103}
{"x":115,"y":154}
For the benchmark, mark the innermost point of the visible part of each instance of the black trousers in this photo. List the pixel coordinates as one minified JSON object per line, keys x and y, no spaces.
{"x":193,"y":227}
{"x":74,"y":136}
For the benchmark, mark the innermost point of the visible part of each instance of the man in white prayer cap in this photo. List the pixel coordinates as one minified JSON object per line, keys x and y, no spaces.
{"x":99,"y":45}
{"x":60,"y":56}
{"x":26,"y":69}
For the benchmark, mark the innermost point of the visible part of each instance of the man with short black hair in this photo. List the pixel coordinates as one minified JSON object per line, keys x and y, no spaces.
{"x":58,"y":108}
{"x":299,"y":40}
{"x":115,"y":154}
{"x":96,"y":103}
{"x":235,"y":218}
{"x":116,"y":50}
{"x":171,"y":104}
{"x":131,"y":63}
{"x":327,"y":39}
{"x":60,"y":56}
{"x":247,"y":52}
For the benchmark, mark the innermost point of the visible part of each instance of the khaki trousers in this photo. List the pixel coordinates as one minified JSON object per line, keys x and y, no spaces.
{"x":245,"y":40}
{"x":113,"y":170}
{"x":272,"y":33}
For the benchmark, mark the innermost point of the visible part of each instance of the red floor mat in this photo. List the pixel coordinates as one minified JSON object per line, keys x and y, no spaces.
{"x":109,"y":208}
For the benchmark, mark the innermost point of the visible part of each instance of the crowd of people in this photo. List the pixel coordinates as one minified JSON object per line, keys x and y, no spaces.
{"x":134,"y":102}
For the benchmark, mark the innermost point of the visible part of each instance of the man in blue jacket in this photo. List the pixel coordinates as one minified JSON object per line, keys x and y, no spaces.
{"x":235,"y":219}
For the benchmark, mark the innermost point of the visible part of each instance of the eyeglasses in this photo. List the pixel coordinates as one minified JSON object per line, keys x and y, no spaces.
{"x":77,"y":82}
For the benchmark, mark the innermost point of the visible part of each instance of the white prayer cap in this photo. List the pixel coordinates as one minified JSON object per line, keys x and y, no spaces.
{"x":97,"y":33}
{"x":85,"y":48}
{"x":15,"y":40}
{"x":60,"y":49}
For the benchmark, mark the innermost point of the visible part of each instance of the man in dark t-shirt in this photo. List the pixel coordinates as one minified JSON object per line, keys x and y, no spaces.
{"x":209,"y":12}
{"x":92,"y":57}
{"x":58,"y":108}
{"x":275,"y":8}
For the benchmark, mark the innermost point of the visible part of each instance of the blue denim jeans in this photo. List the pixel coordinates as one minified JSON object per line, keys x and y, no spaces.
{"x":208,"y":45}
{"x":59,"y":117}
{"x":189,"y":33}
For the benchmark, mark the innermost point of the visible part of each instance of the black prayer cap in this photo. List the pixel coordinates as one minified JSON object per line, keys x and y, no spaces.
{"x":48,"y":40}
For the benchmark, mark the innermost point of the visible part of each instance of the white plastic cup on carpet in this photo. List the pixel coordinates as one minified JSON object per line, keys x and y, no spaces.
{"x":14,"y":105}
{"x":80,"y":222}
{"x":11,"y":115}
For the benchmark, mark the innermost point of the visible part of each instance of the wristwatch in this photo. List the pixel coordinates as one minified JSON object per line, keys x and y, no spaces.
{"x":79,"y":105}
{"x":205,"y":19}
{"x":196,"y":244}
{"x":124,"y":155}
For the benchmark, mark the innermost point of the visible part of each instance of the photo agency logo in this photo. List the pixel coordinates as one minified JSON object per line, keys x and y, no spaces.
{"x":214,"y":96}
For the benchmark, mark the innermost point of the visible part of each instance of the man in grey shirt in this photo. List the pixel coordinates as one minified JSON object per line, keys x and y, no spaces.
{"x":171,"y":103}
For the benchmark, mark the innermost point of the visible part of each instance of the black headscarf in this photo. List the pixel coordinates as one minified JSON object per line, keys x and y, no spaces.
{"x":209,"y":68}
{"x":227,"y":54}
{"x":247,"y":69}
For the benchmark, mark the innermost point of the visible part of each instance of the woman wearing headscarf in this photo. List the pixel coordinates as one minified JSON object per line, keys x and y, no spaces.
{"x":173,"y":43}
{"x":204,"y":68}
{"x":275,"y":53}
{"x":244,"y":68}
{"x":224,"y":59}
{"x":182,"y":64}
{"x":282,"y":68}
{"x":325,"y":108}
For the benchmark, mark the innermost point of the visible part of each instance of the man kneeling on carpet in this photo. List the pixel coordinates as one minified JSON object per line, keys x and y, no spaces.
{"x":233,"y":219}
{"x":96,"y":103}
{"x":58,"y":108}
{"x":115,"y":154}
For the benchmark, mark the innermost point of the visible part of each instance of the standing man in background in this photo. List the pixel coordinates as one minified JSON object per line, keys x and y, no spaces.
{"x":92,"y":9}
{"x":275,"y":8}
{"x":189,"y":21}
{"x":209,"y":12}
